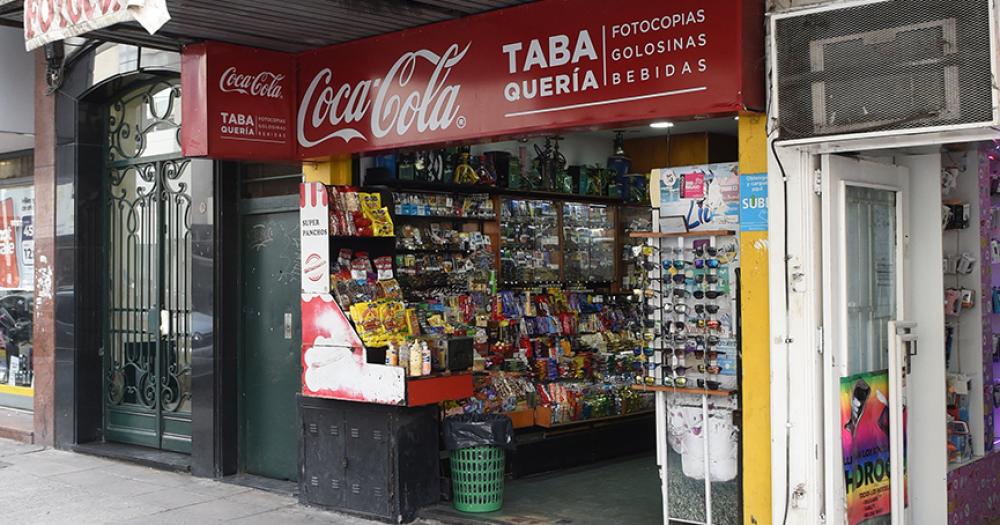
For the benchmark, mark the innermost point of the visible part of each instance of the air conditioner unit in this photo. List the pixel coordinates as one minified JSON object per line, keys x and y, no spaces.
{"x":882,"y":67}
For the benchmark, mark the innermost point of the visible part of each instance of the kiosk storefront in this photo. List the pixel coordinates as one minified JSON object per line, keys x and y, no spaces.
{"x":884,"y":262}
{"x":478,"y":235}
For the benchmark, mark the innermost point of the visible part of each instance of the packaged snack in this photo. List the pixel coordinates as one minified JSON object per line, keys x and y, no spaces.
{"x":339,"y":225}
{"x":370,"y":202}
{"x":392,"y":316}
{"x":381,"y":223}
{"x":383,"y":268}
{"x":390,"y":289}
{"x":344,"y":263}
{"x":361,"y":268}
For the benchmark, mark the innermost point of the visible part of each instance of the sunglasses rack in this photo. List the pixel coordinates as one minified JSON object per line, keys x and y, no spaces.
{"x":692,"y":294}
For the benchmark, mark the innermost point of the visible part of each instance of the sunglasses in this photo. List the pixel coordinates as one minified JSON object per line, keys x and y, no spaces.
{"x":710,"y":369}
{"x":710,"y":279}
{"x":678,"y":327}
{"x":712,"y":385}
{"x":680,"y":292}
{"x":679,"y":370}
{"x":679,"y":278}
{"x":712,"y":340}
{"x":680,"y":381}
{"x":711,"y":294}
{"x":677,"y":264}
{"x":648,"y":351}
{"x":706,"y":263}
{"x":714,"y":324}
{"x":651,"y":366}
{"x":710,"y":308}
{"x":700,"y":251}
{"x":680,"y":308}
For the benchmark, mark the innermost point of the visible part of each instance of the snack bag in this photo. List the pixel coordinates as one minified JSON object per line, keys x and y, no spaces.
{"x":338,"y":222}
{"x":381,"y":223}
{"x":383,"y":267}
{"x":361,"y":268}
{"x":392,"y":315}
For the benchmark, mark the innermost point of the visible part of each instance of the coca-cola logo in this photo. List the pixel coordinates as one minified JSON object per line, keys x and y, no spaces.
{"x":390,"y":104}
{"x":264,"y":84}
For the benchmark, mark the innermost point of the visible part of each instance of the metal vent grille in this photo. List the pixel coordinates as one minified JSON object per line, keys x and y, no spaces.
{"x":894,"y":65}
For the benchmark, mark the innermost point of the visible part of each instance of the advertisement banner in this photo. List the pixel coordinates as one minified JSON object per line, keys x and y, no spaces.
{"x":753,"y":202}
{"x":17,"y":238}
{"x":48,"y":21}
{"x":238,"y":102}
{"x":705,"y":196}
{"x":314,"y":230}
{"x":542,"y":66}
{"x":864,"y":414}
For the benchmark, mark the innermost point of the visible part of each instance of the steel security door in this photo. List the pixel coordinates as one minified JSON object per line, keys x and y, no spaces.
{"x":865,"y":214}
{"x":272,"y":333}
{"x":148,"y":262}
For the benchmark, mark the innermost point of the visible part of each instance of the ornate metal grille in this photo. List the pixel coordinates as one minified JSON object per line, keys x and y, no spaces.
{"x":148,"y":334}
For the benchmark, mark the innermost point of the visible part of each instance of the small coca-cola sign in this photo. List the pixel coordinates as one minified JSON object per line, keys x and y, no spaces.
{"x":264,"y":84}
{"x":238,"y":103}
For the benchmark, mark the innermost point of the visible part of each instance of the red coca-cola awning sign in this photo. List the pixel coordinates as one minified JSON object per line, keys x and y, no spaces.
{"x":553,"y":64}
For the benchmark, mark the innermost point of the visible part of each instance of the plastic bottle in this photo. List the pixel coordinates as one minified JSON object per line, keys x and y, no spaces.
{"x":425,"y":358}
{"x":416,"y":360}
{"x":403,"y":359}
{"x":391,"y":356}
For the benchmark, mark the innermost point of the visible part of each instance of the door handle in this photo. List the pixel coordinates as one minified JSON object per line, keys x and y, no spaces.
{"x":904,"y":330}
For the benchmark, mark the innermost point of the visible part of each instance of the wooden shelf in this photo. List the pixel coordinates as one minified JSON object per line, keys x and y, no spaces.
{"x":543,"y":418}
{"x":696,"y":233}
{"x":441,"y":187}
{"x":443,"y":218}
{"x":678,"y":390}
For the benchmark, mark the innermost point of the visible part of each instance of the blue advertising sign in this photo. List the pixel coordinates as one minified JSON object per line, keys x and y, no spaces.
{"x":753,"y":202}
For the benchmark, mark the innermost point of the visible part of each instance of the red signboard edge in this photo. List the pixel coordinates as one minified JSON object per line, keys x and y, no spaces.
{"x":194,"y":100}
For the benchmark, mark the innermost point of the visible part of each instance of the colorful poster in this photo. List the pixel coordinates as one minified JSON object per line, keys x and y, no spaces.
{"x":753,"y":202}
{"x":706,"y":197}
{"x":864,"y":415}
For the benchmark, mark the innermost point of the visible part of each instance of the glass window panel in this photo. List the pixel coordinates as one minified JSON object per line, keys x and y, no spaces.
{"x":871,"y":276}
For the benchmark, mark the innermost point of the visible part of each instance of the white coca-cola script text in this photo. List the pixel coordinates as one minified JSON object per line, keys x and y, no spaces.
{"x":396,"y":107}
{"x":264,"y":84}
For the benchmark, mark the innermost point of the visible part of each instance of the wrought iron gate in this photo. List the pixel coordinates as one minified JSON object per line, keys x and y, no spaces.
{"x":148,"y":319}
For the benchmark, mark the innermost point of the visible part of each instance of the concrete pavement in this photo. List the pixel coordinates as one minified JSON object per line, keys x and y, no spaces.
{"x":45,"y":486}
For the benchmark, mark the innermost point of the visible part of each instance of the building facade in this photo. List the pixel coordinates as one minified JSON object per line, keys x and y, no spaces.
{"x":168,"y":309}
{"x":876,"y":194}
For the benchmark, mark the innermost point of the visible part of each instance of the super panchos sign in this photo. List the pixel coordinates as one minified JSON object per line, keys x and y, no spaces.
{"x":554,"y":64}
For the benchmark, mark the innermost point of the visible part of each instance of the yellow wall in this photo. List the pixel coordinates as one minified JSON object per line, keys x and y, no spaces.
{"x":335,"y":171}
{"x":756,"y":387}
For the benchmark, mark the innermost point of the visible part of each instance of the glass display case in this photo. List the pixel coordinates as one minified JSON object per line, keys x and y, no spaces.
{"x":529,"y":241}
{"x":588,"y":242}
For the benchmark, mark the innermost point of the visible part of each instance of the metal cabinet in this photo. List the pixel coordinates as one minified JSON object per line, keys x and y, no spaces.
{"x":375,"y":460}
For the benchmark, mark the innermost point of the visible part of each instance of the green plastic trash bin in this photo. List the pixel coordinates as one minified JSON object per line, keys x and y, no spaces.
{"x":477,"y":478}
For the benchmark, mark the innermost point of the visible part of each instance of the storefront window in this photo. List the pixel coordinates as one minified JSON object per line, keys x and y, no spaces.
{"x":17,"y":209}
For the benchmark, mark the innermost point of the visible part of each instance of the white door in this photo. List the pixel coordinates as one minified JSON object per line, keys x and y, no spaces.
{"x":864,"y":248}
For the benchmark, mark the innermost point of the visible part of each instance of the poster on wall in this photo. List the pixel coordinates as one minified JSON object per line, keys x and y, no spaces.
{"x":17,"y":238}
{"x":706,"y":197}
{"x":864,"y":415}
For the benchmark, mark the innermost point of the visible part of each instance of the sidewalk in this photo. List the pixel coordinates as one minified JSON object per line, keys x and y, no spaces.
{"x":43,"y":486}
